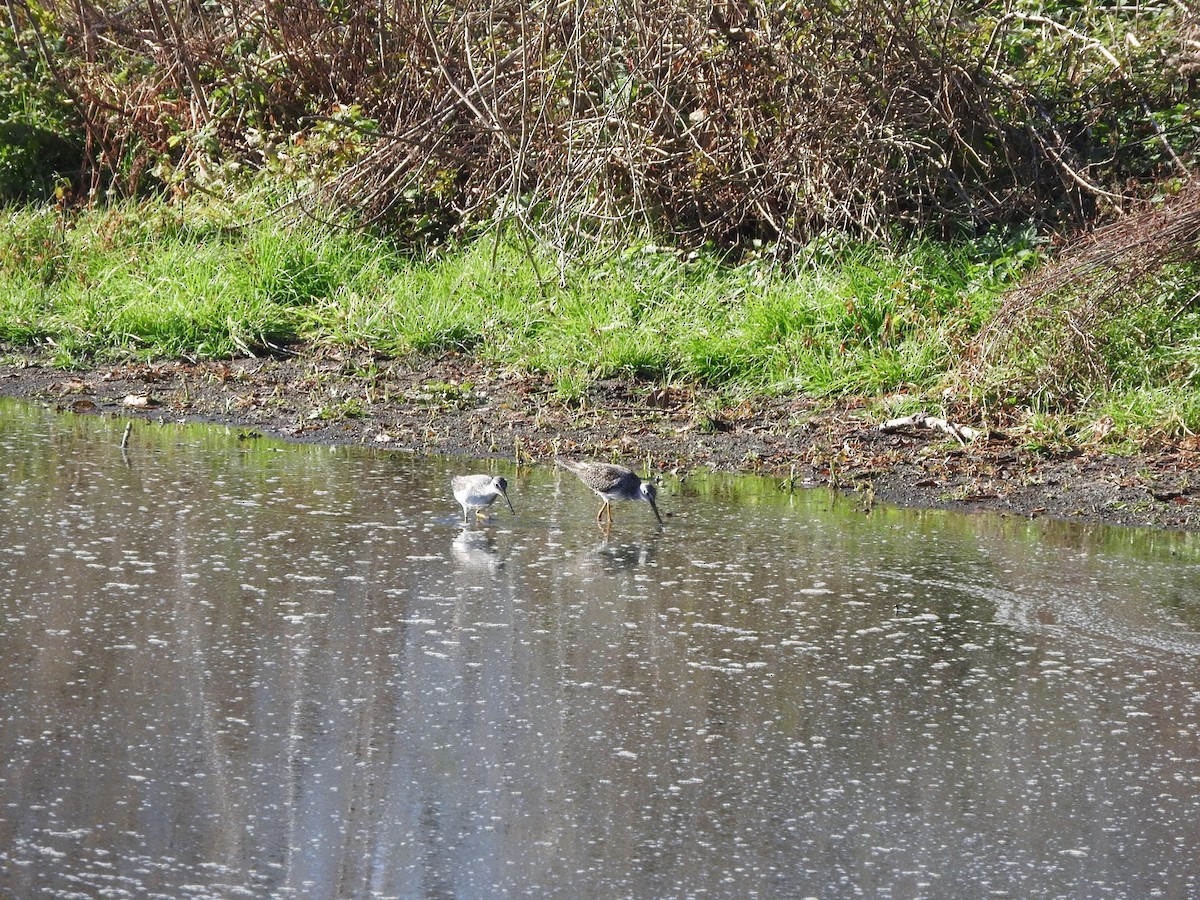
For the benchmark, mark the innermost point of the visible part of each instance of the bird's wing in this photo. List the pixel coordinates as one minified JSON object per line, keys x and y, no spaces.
{"x":603,"y":477}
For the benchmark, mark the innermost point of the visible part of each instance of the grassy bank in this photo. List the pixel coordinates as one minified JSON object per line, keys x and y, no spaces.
{"x":149,"y":281}
{"x":153,"y":281}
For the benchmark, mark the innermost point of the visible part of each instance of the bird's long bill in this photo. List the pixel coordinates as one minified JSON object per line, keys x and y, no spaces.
{"x":654,"y":506}
{"x":509,"y":502}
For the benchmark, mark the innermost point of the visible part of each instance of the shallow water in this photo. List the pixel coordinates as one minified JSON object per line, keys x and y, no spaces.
{"x":232,"y":667}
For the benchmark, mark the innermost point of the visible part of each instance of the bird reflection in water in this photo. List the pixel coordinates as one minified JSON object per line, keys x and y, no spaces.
{"x":475,"y":549}
{"x":625,"y":555}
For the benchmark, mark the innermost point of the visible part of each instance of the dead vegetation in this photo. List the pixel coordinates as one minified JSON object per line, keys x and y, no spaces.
{"x":733,"y":123}
{"x":1056,"y":325}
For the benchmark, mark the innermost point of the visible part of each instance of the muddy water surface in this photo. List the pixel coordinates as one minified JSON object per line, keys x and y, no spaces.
{"x":231,"y":667}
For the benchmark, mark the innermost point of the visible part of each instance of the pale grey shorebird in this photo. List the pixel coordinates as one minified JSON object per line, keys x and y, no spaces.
{"x":612,"y":482}
{"x":478,"y":492}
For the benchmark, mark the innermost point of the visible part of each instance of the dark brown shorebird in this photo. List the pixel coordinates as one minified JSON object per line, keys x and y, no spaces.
{"x":478,"y":492}
{"x":612,"y":482}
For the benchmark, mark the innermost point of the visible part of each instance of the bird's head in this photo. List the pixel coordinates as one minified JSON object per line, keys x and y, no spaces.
{"x":650,"y":493}
{"x":501,"y":487}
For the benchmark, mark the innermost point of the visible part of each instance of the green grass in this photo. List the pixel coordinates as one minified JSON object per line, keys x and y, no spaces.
{"x":150,"y":281}
{"x":146,"y":281}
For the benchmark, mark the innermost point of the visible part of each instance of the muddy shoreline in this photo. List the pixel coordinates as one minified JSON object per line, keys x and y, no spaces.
{"x":457,"y":406}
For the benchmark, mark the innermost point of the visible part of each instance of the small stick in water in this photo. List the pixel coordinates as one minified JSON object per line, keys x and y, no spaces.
{"x":125,"y":436}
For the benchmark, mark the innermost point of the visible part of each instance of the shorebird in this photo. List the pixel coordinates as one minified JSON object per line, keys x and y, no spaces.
{"x":478,"y":492}
{"x":612,"y":482}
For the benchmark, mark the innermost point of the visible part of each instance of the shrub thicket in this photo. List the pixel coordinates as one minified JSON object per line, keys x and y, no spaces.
{"x":729,"y":122}
{"x":38,"y":131}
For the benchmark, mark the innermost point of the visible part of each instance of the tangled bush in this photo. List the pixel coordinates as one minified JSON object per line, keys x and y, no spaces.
{"x":730,"y":122}
{"x":1116,"y":310}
